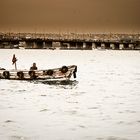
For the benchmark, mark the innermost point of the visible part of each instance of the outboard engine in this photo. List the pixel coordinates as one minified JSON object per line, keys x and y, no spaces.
{"x":74,"y":72}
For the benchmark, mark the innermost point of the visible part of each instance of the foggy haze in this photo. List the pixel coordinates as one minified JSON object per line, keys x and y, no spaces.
{"x":70,"y":16}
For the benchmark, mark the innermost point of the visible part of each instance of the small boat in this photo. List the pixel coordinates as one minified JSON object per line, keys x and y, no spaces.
{"x":62,"y":73}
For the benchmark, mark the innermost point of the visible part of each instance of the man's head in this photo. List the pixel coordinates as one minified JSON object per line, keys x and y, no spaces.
{"x":34,"y":64}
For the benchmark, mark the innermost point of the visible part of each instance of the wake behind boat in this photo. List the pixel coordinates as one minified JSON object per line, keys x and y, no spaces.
{"x":62,"y":73}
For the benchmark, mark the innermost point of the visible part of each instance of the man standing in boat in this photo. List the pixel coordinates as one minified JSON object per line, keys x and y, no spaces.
{"x":34,"y":67}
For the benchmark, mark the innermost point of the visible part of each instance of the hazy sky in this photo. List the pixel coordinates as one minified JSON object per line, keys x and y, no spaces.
{"x":70,"y":15}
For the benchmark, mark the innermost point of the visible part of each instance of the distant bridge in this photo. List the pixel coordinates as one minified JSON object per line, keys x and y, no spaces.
{"x":68,"y":42}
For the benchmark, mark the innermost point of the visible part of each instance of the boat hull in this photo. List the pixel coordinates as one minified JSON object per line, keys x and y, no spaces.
{"x":62,"y":73}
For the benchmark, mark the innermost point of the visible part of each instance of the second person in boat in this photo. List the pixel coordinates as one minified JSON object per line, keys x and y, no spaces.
{"x":33,"y":67}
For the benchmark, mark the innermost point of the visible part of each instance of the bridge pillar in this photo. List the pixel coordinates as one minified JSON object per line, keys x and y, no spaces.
{"x":103,"y":46}
{"x":107,"y":45}
{"x":98,"y":45}
{"x":94,"y":46}
{"x":48,"y":44}
{"x":126,"y":46}
{"x":34,"y":45}
{"x":56,"y":44}
{"x":131,"y":46}
{"x":88,"y":46}
{"x":79,"y":45}
{"x":73,"y":45}
{"x":38,"y":44}
{"x":84,"y":45}
{"x":29,"y":44}
{"x":64,"y":45}
{"x":121,"y":46}
{"x":112,"y":46}
{"x":1,"y":45}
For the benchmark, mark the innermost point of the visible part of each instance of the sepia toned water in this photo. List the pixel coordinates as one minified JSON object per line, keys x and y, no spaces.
{"x":102,"y":103}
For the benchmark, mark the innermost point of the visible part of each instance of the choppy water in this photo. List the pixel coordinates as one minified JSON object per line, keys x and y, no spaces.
{"x":102,"y":104}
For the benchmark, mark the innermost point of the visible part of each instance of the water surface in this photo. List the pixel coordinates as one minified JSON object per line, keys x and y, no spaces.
{"x":103,"y":103}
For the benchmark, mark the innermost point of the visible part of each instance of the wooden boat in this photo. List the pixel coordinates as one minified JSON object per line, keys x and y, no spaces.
{"x":62,"y":73}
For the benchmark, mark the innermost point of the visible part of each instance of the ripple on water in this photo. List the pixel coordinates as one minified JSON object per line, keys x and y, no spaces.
{"x":82,"y":126}
{"x":9,"y":121}
{"x":22,"y":138}
{"x":78,"y":93}
{"x":130,"y":111}
{"x":44,"y":110}
{"x":43,"y":95}
{"x":21,"y":90}
{"x":116,"y":138}
{"x":72,"y":102}
{"x":93,"y":108}
{"x":112,"y":138}
{"x":71,"y":112}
